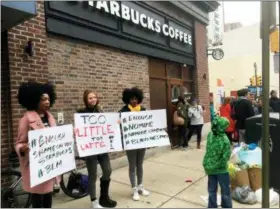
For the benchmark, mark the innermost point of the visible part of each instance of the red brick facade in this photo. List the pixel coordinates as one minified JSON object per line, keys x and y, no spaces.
{"x":75,"y":66}
{"x":202,"y":74}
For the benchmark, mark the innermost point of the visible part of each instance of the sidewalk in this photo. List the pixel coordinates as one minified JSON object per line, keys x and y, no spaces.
{"x":164,"y":177}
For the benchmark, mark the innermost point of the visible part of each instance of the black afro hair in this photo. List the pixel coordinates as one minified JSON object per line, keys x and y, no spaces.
{"x":30,"y":93}
{"x":134,"y":92}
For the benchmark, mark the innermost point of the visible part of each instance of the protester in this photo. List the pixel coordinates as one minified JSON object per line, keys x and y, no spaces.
{"x":195,"y":114}
{"x":255,"y":106}
{"x":37,"y":98}
{"x":182,"y":110}
{"x":274,"y":101}
{"x":215,"y":163}
{"x":91,"y":103}
{"x":242,"y":109}
{"x":132,"y":99}
{"x":260,"y":105}
{"x":225,"y":111}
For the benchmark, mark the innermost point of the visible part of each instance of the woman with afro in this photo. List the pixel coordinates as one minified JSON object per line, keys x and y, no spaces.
{"x":91,"y":103}
{"x":36,"y":98}
{"x":133,"y":98}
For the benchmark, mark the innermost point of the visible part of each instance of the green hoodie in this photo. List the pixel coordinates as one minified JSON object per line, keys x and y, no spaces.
{"x":218,"y":149}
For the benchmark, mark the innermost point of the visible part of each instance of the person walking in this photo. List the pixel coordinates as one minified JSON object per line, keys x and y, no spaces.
{"x":225,"y":111}
{"x":215,"y":163}
{"x":243,"y":109}
{"x":132,"y":99}
{"x":91,"y":103}
{"x":195,"y":113}
{"x":182,"y":111}
{"x":37,"y":99}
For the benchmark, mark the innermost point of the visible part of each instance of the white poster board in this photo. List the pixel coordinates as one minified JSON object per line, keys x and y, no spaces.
{"x":51,"y":153}
{"x":144,"y":129}
{"x":97,"y":133}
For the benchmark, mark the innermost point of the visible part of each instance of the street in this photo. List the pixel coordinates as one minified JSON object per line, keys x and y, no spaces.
{"x":164,"y":177}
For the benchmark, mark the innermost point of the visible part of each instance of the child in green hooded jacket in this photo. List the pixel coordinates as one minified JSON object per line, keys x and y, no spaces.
{"x":215,"y":163}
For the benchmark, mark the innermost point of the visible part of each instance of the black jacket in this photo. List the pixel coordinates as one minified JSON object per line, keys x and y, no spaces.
{"x":96,"y":109}
{"x":274,"y":103}
{"x":243,"y":109}
{"x":126,"y":109}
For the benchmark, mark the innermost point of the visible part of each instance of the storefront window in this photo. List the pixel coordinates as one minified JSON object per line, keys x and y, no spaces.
{"x":175,"y":93}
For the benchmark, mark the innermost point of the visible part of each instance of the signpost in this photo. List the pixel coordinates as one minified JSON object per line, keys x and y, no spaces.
{"x":268,"y":22}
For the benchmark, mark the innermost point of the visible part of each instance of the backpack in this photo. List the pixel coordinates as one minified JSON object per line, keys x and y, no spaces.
{"x":78,"y":181}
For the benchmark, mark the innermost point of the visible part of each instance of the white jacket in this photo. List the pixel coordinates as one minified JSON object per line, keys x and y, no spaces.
{"x":196,"y":115}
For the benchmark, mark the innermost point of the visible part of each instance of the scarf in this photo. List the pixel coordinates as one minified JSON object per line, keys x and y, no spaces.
{"x":135,"y":109}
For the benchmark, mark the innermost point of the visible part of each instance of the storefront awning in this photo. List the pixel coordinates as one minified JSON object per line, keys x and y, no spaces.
{"x":16,"y":12}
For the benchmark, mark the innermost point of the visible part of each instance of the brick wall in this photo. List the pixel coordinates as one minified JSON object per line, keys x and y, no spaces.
{"x":202,"y":85}
{"x":23,"y":67}
{"x":5,"y":102}
{"x":75,"y":66}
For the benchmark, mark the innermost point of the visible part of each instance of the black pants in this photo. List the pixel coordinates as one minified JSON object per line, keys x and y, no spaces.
{"x":198,"y":129}
{"x":183,"y":135}
{"x":42,"y":200}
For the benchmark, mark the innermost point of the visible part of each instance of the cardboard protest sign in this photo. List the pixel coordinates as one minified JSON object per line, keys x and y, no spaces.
{"x":144,"y":129}
{"x":97,"y":133}
{"x":51,"y":153}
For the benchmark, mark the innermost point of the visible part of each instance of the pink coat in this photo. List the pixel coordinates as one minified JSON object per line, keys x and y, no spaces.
{"x":32,"y":121}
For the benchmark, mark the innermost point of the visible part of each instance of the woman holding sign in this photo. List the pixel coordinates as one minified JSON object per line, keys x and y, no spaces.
{"x":92,"y":106}
{"x":37,"y":98}
{"x":133,"y":98}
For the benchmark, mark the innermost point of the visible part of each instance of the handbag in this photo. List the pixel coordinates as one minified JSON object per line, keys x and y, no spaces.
{"x":179,"y":121}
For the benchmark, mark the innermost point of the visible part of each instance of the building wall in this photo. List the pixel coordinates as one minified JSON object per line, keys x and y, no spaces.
{"x":202,"y":85}
{"x":242,"y":47}
{"x":5,"y":101}
{"x":75,"y":66}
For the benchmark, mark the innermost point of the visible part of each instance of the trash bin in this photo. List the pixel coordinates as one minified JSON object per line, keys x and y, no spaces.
{"x":253,"y":128}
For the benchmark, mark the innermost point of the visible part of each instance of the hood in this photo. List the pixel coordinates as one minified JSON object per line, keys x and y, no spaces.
{"x":219,"y":125}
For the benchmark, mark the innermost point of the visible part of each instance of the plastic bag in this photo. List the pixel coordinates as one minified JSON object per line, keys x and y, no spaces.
{"x":273,"y":196}
{"x":251,"y":157}
{"x":234,"y":156}
{"x":244,"y":195}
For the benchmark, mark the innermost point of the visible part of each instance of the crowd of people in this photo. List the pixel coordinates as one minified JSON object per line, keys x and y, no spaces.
{"x":37,"y":99}
{"x":227,"y":127}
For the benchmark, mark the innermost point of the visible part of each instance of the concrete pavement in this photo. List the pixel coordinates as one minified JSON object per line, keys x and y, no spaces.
{"x":164,"y":177}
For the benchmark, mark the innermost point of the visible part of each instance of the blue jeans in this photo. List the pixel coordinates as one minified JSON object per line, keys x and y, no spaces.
{"x":224,"y":181}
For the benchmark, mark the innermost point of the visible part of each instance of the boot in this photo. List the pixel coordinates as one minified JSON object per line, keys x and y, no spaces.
{"x":198,"y":145}
{"x":104,"y":199}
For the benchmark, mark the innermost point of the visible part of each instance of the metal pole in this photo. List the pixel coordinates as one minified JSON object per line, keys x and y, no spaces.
{"x":266,"y":11}
{"x":279,"y":52}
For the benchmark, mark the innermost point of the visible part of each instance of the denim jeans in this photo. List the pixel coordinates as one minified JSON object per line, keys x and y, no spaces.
{"x":224,"y":181}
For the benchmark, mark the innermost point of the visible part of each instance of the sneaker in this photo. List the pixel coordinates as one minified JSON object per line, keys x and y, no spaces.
{"x":135,"y":194}
{"x":143,"y":191}
{"x":56,"y":188}
{"x":95,"y":204}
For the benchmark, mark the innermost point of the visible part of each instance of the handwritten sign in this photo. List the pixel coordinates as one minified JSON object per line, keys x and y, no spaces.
{"x":97,"y":133}
{"x":51,"y":153}
{"x":144,"y":129}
